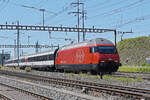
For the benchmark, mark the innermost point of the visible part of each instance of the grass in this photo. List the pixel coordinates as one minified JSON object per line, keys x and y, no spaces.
{"x":134,"y":69}
{"x":28,"y":69}
{"x":134,"y":51}
{"x":109,"y":77}
{"x":122,"y":79}
{"x":9,"y":68}
{"x":96,"y":76}
{"x":4,"y":67}
{"x":72,"y":74}
{"x":83,"y":74}
{"x":17,"y":68}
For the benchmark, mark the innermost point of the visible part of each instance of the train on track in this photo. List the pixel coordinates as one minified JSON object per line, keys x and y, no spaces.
{"x":96,"y":56}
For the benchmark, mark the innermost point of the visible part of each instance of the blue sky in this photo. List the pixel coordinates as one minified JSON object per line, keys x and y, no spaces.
{"x":122,"y":15}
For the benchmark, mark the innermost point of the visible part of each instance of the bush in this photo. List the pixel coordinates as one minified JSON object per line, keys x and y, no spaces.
{"x":145,"y":64}
{"x":134,"y":51}
{"x":28,"y":69}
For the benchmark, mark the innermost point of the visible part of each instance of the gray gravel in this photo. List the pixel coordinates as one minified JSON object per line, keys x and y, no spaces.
{"x":85,"y":78}
{"x":55,"y":94}
{"x":16,"y":95}
{"x":39,"y":90}
{"x":91,"y":78}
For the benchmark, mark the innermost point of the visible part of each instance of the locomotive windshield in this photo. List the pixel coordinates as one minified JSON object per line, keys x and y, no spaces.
{"x":107,"y":49}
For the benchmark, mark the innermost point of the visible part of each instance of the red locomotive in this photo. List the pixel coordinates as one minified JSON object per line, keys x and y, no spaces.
{"x":97,"y":55}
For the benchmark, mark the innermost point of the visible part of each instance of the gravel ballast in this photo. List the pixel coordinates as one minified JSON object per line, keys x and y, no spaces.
{"x":144,"y":84}
{"x":54,"y":93}
{"x":90,"y":78}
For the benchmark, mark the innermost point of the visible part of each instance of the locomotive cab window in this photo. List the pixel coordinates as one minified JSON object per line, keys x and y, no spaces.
{"x":107,"y":49}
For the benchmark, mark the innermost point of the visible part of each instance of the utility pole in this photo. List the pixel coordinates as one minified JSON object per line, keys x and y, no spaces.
{"x":29,"y":39}
{"x":83,"y":21}
{"x":15,"y":48}
{"x":78,"y":9}
{"x":115,"y":33}
{"x":2,"y":57}
{"x":43,"y":11}
{"x":18,"y":41}
{"x":49,"y":34}
{"x":37,"y":47}
{"x":78,"y":16}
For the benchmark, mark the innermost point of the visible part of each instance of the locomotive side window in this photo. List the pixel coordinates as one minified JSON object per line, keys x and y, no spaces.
{"x":93,"y":49}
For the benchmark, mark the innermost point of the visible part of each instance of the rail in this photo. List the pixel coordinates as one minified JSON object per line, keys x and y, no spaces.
{"x":136,"y":93}
{"x":4,"y":97}
{"x":24,"y":91}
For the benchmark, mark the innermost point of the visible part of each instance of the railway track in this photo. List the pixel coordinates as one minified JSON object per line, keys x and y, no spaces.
{"x":145,"y":76}
{"x":146,"y":73}
{"x":14,"y":93}
{"x":4,"y":97}
{"x":129,"y":92}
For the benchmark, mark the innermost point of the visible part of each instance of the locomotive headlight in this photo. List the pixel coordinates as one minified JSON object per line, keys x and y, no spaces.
{"x":102,"y":61}
{"x":116,"y":60}
{"x":110,"y":59}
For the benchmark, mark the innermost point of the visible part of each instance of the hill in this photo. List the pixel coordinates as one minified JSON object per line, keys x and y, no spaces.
{"x":134,"y":51}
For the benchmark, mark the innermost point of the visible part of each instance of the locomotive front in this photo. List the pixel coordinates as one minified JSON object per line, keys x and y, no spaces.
{"x":109,"y":60}
{"x":105,"y":57}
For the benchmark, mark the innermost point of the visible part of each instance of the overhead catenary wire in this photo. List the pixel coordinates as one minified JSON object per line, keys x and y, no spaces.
{"x":39,"y":4}
{"x":39,"y":9}
{"x":101,"y":3}
{"x":59,"y":13}
{"x":4,"y":5}
{"x":110,"y":5}
{"x":114,"y":11}
{"x":138,"y":19}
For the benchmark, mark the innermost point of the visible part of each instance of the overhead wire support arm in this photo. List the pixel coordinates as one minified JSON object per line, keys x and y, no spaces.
{"x":123,"y":33}
{"x":58,"y":29}
{"x":51,"y":28}
{"x":42,"y":10}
